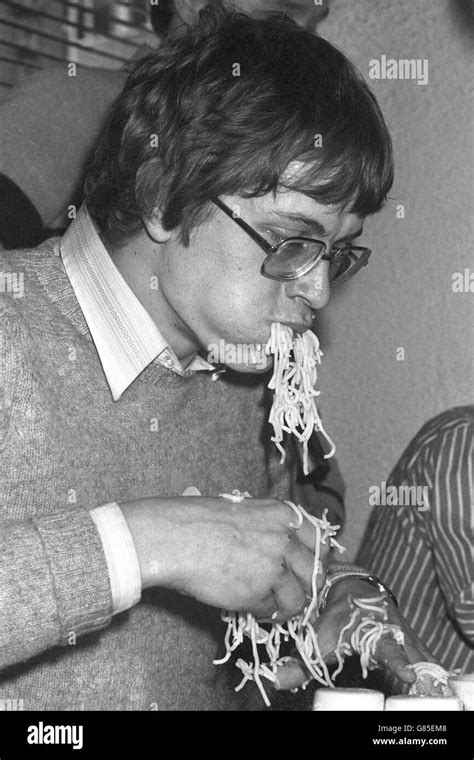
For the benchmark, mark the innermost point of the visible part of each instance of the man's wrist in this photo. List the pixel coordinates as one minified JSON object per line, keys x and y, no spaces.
{"x":120,"y":554}
{"x":343,"y":583}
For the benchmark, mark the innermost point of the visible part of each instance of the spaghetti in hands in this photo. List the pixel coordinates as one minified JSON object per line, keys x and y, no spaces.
{"x":360,"y":633}
{"x":299,"y":629}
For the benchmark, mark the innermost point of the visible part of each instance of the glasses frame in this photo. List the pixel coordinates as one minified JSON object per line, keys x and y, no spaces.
{"x":362,"y":257}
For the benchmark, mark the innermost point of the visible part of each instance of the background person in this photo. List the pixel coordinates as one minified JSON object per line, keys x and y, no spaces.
{"x":425,"y":555}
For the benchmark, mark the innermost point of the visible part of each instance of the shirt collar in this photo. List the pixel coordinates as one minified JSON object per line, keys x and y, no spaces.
{"x":125,"y":336}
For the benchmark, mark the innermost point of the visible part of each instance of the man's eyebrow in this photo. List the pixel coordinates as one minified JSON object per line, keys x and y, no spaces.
{"x":306,"y":221}
{"x":313,"y":224}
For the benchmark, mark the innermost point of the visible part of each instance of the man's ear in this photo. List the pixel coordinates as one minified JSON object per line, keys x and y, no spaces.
{"x":187,"y":10}
{"x":155,"y":229}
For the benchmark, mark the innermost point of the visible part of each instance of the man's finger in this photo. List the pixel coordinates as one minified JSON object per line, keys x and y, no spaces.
{"x":300,"y":560}
{"x":305,"y":529}
{"x":393,"y":657}
{"x":290,"y":597}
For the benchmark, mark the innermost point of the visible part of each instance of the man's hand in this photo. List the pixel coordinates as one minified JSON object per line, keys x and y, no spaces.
{"x":243,"y":557}
{"x":390,"y":656}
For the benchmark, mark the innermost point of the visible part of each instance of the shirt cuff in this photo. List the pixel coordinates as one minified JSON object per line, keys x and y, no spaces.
{"x":121,"y":556}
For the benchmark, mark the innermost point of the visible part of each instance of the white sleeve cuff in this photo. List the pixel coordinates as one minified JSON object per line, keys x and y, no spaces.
{"x":121,"y":556}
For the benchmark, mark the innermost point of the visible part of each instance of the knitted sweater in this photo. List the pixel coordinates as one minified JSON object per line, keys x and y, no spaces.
{"x":67,"y":447}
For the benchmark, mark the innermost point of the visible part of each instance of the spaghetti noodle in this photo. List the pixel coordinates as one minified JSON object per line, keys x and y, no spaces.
{"x":293,"y":381}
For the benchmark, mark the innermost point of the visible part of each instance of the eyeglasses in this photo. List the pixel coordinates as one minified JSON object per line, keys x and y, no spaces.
{"x":295,"y":256}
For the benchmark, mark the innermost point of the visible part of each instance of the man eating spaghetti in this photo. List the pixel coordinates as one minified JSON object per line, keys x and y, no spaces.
{"x":224,"y":198}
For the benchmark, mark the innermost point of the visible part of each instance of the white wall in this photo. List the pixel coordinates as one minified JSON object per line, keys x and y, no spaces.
{"x":372,"y":403}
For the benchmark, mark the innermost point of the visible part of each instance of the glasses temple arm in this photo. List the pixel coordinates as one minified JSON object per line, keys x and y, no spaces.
{"x":249,"y":230}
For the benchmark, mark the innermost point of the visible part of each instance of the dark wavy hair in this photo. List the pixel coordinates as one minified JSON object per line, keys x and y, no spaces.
{"x":223,"y":108}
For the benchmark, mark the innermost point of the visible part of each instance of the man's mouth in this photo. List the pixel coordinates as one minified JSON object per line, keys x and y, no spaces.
{"x":299,"y":325}
{"x":300,"y":320}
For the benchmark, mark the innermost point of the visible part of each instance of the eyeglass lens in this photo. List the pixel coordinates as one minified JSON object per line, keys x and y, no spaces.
{"x":293,"y":256}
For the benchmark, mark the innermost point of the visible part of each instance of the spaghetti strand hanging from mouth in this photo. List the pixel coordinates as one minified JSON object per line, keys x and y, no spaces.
{"x":294,"y":381}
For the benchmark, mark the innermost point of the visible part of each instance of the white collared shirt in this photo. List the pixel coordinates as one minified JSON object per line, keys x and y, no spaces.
{"x":127,"y":341}
{"x":126,"y":337}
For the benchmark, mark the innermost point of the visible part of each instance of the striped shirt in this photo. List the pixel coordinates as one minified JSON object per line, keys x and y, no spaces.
{"x":425,"y":553}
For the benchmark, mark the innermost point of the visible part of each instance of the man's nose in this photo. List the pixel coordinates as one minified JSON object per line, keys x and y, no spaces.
{"x":313,"y":286}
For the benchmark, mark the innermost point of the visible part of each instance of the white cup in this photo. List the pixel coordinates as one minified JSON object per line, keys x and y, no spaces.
{"x":356,"y":700}
{"x":411,"y":704}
